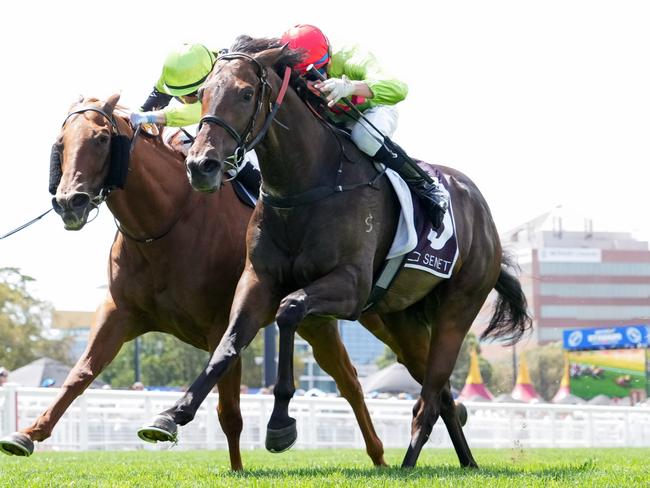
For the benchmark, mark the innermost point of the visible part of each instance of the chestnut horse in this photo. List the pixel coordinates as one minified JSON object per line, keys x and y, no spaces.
{"x":173,"y":267}
{"x":311,"y":254}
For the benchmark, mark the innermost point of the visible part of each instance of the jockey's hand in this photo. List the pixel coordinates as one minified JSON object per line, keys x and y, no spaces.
{"x":335,"y":89}
{"x":138,"y":118}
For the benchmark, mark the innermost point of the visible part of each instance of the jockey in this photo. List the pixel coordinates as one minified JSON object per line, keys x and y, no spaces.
{"x":184,"y":71}
{"x":354,"y":73}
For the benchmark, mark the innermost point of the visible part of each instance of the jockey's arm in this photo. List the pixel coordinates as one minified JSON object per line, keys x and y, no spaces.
{"x":156,"y":101}
{"x":180,"y":116}
{"x":156,"y":110}
{"x":361,"y":89}
{"x":355,"y":71}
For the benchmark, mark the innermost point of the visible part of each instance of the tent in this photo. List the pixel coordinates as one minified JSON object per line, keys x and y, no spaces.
{"x":570,"y":399}
{"x":44,"y":372}
{"x":524,"y":390}
{"x":392,"y":379}
{"x":600,"y":400}
{"x":506,"y":398}
{"x":474,"y":389}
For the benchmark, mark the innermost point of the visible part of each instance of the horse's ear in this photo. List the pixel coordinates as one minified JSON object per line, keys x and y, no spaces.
{"x":76,"y":101}
{"x":111,"y":102}
{"x":270,"y":56}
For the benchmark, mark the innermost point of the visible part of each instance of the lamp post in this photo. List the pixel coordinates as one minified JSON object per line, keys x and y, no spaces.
{"x":270,"y":369}
{"x":136,"y":359}
{"x":514,"y":365}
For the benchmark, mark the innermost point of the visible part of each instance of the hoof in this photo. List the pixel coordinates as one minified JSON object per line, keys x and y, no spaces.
{"x":162,"y":429}
{"x":17,"y":444}
{"x":461,"y":411}
{"x":280,"y":440}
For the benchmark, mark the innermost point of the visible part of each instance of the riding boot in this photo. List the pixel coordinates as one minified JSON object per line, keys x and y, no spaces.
{"x":431,"y":192}
{"x":250,"y":177}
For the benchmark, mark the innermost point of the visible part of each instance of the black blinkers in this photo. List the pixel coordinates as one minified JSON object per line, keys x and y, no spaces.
{"x":118,"y":156}
{"x":55,"y":168}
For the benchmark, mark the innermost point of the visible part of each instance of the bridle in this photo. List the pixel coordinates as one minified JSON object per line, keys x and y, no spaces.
{"x":244,"y":142}
{"x":119,"y":152}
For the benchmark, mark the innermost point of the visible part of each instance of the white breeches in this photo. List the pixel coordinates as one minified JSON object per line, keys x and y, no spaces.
{"x":384,"y":117}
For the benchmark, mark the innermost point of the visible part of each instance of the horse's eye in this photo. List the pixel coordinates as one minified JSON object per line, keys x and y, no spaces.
{"x":101,"y":139}
{"x":248,"y":95}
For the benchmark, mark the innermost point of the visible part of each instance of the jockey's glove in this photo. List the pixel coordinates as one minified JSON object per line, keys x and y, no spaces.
{"x":138,"y":118}
{"x":336,"y":88}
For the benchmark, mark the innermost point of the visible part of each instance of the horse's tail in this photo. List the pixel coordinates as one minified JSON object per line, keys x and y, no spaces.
{"x":510,"y":319}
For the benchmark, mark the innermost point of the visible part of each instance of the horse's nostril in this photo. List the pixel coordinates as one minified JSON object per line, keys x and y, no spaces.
{"x":191,"y":165}
{"x":79,"y":200}
{"x":209,"y":165}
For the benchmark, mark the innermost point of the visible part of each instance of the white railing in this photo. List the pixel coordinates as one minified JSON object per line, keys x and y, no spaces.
{"x":109,"y":419}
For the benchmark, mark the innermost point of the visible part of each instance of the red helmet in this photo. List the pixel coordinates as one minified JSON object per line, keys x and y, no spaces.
{"x":312,"y":41}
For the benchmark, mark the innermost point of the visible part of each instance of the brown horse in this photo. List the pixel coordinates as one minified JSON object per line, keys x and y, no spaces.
{"x":173,"y":267}
{"x":311,"y":254}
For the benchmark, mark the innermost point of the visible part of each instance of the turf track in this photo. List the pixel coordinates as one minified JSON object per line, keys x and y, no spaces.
{"x":335,"y":468}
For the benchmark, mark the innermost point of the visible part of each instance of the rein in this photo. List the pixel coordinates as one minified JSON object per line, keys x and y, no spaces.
{"x":25,"y":225}
{"x":320,"y":192}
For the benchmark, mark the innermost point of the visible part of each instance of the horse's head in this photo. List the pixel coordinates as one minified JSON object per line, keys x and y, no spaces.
{"x":235,"y":103}
{"x":82,"y":158}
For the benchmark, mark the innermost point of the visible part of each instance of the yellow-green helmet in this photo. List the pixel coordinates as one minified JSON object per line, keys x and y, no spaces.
{"x":186,"y":68}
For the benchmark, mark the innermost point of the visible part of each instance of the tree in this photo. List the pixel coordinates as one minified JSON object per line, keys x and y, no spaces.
{"x":386,"y":359}
{"x":545,"y":364}
{"x":22,"y":327}
{"x":502,"y":379}
{"x":167,"y":361}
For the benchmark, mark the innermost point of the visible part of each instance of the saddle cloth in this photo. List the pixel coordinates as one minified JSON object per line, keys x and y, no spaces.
{"x":428,"y":250}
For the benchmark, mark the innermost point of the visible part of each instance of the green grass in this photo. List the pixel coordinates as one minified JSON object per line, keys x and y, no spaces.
{"x":331,"y":468}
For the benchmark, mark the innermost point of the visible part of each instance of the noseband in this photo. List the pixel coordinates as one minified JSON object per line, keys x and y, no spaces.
{"x":244,"y":143}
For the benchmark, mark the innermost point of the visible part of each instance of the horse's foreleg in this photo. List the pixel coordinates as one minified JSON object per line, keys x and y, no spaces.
{"x":252,"y":307}
{"x":329,"y":351}
{"x":230,"y":413}
{"x":112,"y":327}
{"x":337,"y":294}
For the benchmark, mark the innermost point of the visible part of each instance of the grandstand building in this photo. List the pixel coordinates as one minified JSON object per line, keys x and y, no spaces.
{"x":574,"y":276}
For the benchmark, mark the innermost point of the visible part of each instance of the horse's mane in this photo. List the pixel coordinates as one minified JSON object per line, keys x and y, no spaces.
{"x":249,"y":45}
{"x":289,"y":57}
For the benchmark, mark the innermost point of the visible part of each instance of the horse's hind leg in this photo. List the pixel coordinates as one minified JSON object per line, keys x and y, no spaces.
{"x":229,"y":413}
{"x":449,"y":416}
{"x":111,"y":329}
{"x":452,"y":321}
{"x":331,"y":355}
